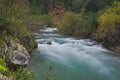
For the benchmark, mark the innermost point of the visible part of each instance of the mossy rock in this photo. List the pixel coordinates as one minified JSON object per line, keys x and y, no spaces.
{"x":28,"y":41}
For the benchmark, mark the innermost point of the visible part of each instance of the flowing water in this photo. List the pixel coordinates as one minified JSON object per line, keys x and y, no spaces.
{"x":60,"y":57}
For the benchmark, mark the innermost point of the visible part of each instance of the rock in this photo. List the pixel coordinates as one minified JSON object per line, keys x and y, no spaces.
{"x":49,"y":42}
{"x":20,"y":56}
{"x":4,"y":49}
{"x":13,"y":44}
{"x":117,"y":49}
{"x":35,"y":52}
{"x":110,"y":39}
{"x":50,"y":68}
{"x":2,"y":77}
{"x":28,"y":42}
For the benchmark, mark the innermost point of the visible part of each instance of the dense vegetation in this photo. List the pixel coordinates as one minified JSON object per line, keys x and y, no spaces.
{"x":84,"y":18}
{"x":13,"y":36}
{"x":98,"y":19}
{"x":78,"y":24}
{"x":109,"y":26}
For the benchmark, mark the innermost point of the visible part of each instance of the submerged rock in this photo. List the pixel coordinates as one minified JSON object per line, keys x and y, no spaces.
{"x":49,"y":43}
{"x":50,"y":68}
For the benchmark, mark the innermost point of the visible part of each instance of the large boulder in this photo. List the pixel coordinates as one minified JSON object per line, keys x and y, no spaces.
{"x":14,"y":52}
{"x":20,"y":56}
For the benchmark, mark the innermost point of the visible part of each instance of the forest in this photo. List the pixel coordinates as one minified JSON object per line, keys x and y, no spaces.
{"x":97,"y":20}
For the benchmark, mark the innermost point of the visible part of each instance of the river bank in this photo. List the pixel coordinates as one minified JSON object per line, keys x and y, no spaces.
{"x":15,"y":54}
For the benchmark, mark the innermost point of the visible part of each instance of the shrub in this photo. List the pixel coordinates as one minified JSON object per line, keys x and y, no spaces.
{"x":46,"y":20}
{"x":68,"y":23}
{"x":12,"y":16}
{"x":40,"y":20}
{"x":108,"y":31}
{"x":22,"y":74}
{"x":97,"y":5}
{"x":78,"y":24}
{"x":109,"y":19}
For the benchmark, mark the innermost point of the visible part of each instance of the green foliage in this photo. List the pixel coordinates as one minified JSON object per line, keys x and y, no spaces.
{"x":109,"y":19}
{"x":86,"y":22}
{"x":3,"y":67}
{"x":39,"y":6}
{"x":69,"y":22}
{"x":91,"y":22}
{"x":11,"y":9}
{"x":34,"y":19}
{"x":41,"y":20}
{"x":43,"y":7}
{"x":78,"y":24}
{"x":68,"y":4}
{"x":46,"y":20}
{"x":22,"y":74}
{"x":97,"y":5}
{"x":2,"y":62}
{"x":78,"y":5}
{"x":2,"y":21}
{"x":12,"y":16}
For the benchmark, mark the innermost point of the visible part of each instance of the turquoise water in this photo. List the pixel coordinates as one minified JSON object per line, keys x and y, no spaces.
{"x":69,"y":58}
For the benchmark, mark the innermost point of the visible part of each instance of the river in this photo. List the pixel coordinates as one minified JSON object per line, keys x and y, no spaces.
{"x":60,"y":57}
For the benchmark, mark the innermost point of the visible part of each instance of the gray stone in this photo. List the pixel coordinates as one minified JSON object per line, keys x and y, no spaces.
{"x":49,"y":43}
{"x":13,"y":44}
{"x":20,"y":56}
{"x":2,"y":77}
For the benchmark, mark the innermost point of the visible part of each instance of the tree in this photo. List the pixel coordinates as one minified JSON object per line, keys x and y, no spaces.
{"x":97,"y":5}
{"x":109,"y":19}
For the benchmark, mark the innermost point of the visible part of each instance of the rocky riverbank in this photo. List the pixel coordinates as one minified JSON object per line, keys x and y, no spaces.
{"x":15,"y":51}
{"x":110,"y":39}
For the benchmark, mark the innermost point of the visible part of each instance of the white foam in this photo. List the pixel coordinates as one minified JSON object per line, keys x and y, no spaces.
{"x":49,"y":30}
{"x":81,"y":51}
